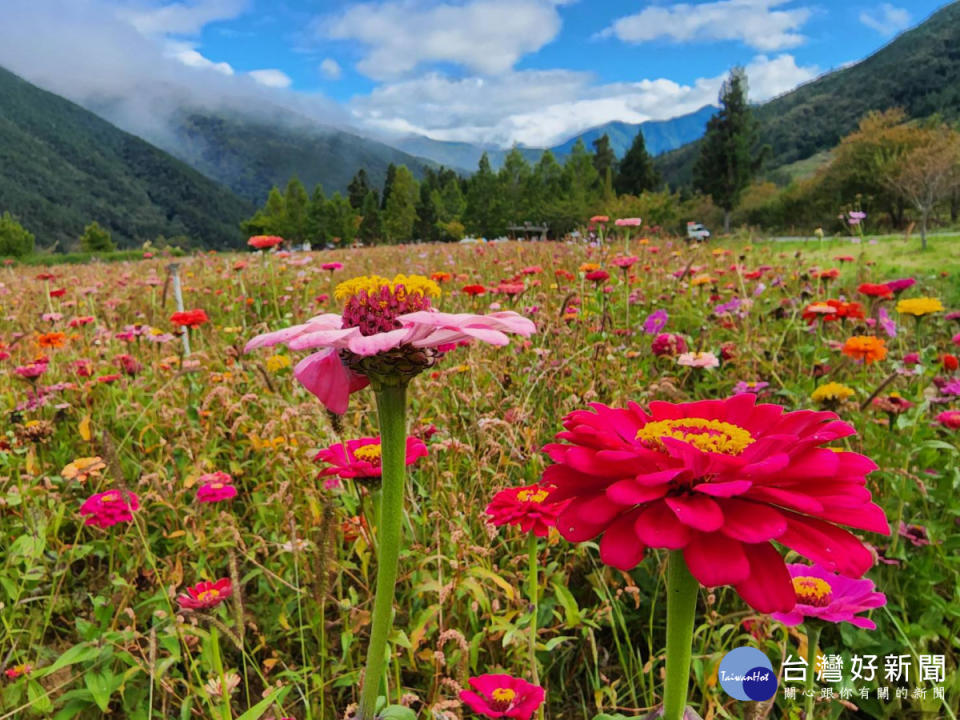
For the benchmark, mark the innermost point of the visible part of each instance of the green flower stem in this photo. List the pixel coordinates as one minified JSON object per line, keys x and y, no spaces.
{"x":533,"y":585}
{"x":682,"y":589}
{"x":813,"y":639}
{"x":391,"y":407}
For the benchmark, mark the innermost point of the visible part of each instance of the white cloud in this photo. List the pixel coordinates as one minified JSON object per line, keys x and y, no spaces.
{"x":756,"y":23}
{"x":542,"y":107}
{"x":188,"y":54}
{"x":886,"y":19}
{"x":271,"y":77}
{"x":330,"y":69}
{"x":182,"y":18}
{"x":486,"y":36}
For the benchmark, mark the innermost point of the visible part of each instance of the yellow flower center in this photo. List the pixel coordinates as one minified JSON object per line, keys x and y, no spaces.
{"x":373,"y":283}
{"x":216,"y":486}
{"x":370,"y":453}
{"x":812,"y":591}
{"x":713,"y":436}
{"x":503,"y":695}
{"x":534,"y":496}
{"x":109,"y":497}
{"x":206,"y":595}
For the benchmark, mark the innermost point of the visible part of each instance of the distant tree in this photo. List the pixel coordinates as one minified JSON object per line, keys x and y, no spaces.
{"x":604,"y":158}
{"x":928,"y":173}
{"x":358,"y":189}
{"x":371,"y":225}
{"x":448,"y":200}
{"x":341,"y":221}
{"x":401,"y":210}
{"x":295,"y":205}
{"x":485,"y":212}
{"x":581,"y":187}
{"x":726,"y":163}
{"x":388,"y":185}
{"x":96,"y":239}
{"x":425,"y":226}
{"x":15,"y":240}
{"x":513,"y":181}
{"x":636,"y":172}
{"x":316,"y":220}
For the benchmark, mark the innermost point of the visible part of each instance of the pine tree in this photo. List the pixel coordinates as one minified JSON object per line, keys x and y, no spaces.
{"x":371,"y":226}
{"x":316,"y":223}
{"x":96,"y":239}
{"x":358,"y":189}
{"x":636,"y":172}
{"x":485,"y":204}
{"x":604,"y":158}
{"x":425,"y":227}
{"x":513,"y":180}
{"x":401,"y":209}
{"x":295,"y":205}
{"x":388,"y":185}
{"x":726,"y":163}
{"x":341,"y":221}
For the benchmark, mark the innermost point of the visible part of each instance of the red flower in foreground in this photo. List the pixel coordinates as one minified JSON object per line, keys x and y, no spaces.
{"x":719,"y":479}
{"x":502,"y":696}
{"x":361,"y":458}
{"x":262,"y":242}
{"x":109,"y":508}
{"x":825,"y":595}
{"x":526,"y":507}
{"x":206,"y":594}
{"x":189,"y":318}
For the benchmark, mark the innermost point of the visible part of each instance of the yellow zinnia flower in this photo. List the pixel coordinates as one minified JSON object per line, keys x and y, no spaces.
{"x":831,"y":392}
{"x":919,"y":307}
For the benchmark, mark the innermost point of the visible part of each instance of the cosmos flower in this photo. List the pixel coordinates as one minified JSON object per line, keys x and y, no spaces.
{"x":866,"y":348}
{"x":361,"y":458}
{"x":825,"y":595}
{"x":109,"y":508}
{"x":387,"y":326}
{"x":206,"y":594}
{"x":502,"y":696}
{"x":526,"y":507}
{"x":721,"y":480}
{"x":215,"y":487}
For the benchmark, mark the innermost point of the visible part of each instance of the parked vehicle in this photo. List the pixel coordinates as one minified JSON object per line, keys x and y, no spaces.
{"x":697,"y":232}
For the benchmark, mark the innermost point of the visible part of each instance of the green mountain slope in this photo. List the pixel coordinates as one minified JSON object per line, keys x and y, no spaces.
{"x":250,"y":156}
{"x":63,"y":167}
{"x":919,"y":71}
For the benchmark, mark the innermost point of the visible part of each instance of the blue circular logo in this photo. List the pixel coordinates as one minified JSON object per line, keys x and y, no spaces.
{"x":746,"y":674}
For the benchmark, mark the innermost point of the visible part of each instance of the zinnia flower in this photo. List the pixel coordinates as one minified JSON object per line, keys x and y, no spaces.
{"x":474,"y":290}
{"x":918,"y":307}
{"x":206,"y":594}
{"x":502,"y":696}
{"x":597,"y":276}
{"x":655,"y":322}
{"x":361,"y":458}
{"x":52,"y":340}
{"x":699,"y":360}
{"x":719,"y":479}
{"x":261,"y":242}
{"x":831,"y":392}
{"x":900,"y":285}
{"x":750,"y":387}
{"x":215,"y":486}
{"x":628,"y":222}
{"x":878,"y":290}
{"x":388,"y":327}
{"x":526,"y":507}
{"x":867,"y":348}
{"x":668,"y":344}
{"x":950,"y":419}
{"x":109,"y":508}
{"x":189,"y":318}
{"x":625,"y":262}
{"x":828,"y":596}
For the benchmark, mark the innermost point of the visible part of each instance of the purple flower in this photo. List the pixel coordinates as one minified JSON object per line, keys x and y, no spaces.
{"x":749,"y":387}
{"x":887,"y":323}
{"x":655,"y":322}
{"x":728,"y":307}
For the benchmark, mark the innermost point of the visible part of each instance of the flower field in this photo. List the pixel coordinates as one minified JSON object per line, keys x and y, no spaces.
{"x":576,"y":443}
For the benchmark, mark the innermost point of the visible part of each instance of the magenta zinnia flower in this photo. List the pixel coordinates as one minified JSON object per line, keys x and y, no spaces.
{"x":206,"y":594}
{"x":828,"y":596}
{"x":527,"y":507}
{"x":387,"y":327}
{"x":719,"y":479}
{"x":502,"y":696}
{"x":361,"y":458}
{"x":109,"y":508}
{"x":215,"y":486}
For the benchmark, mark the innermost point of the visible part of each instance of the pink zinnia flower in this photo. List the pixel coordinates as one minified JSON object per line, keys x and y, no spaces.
{"x":699,"y":360}
{"x":721,"y":480}
{"x":828,"y":596}
{"x":628,"y":222}
{"x":331,"y":266}
{"x":950,"y":419}
{"x":668,"y":344}
{"x":597,"y":276}
{"x":206,"y":594}
{"x":31,"y":371}
{"x":381,"y":316}
{"x":600,"y":219}
{"x":526,"y":507}
{"x":215,"y":487}
{"x":262,"y":242}
{"x":361,"y":458}
{"x":109,"y":508}
{"x":622,"y":261}
{"x":900,"y":285}
{"x":502,"y":696}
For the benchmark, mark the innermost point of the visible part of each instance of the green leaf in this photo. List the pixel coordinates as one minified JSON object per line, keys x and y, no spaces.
{"x":76,"y":654}
{"x":101,"y":686}
{"x":261,"y":707}
{"x":39,"y":700}
{"x":397,"y":712}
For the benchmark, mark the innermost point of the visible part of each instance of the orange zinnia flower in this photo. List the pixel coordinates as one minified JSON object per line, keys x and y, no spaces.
{"x":868,"y":348}
{"x":51,"y":340}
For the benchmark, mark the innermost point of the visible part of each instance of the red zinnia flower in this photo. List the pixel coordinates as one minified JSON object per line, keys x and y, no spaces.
{"x":719,"y":479}
{"x":59,"y":292}
{"x":875,"y":290}
{"x":189,"y":318}
{"x":668,"y":344}
{"x":361,"y":458}
{"x":950,"y":362}
{"x":526,"y":507}
{"x":474,"y":290}
{"x":206,"y":594}
{"x":502,"y":696}
{"x":261,"y":242}
{"x":597,"y":276}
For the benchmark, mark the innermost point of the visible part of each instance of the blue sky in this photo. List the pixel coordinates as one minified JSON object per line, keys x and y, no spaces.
{"x":495,"y":71}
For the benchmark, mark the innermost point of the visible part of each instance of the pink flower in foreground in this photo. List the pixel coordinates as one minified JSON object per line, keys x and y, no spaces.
{"x":215,"y":487}
{"x":721,"y":480}
{"x":502,"y":696}
{"x":387,"y":326}
{"x":527,"y":507}
{"x":828,"y":596}
{"x":361,"y":458}
{"x":206,"y":594}
{"x":109,"y":508}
